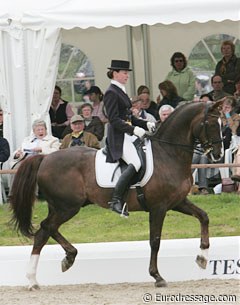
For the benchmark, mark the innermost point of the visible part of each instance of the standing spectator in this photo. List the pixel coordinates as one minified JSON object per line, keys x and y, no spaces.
{"x":79,"y":137}
{"x":169,"y":94}
{"x":92,"y":123}
{"x":148,"y":105}
{"x":228,"y":67}
{"x":164,"y":112}
{"x":140,"y":113}
{"x":182,"y":76}
{"x":96,"y":97}
{"x":60,"y":113}
{"x":217,"y":93}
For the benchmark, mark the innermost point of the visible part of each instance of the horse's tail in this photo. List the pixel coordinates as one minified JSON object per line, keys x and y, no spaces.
{"x":23,"y":194}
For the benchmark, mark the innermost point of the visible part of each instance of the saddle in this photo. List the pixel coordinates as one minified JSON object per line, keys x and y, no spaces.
{"x":107,"y":174}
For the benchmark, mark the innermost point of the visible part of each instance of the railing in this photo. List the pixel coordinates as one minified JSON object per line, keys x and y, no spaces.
{"x":215,"y":165}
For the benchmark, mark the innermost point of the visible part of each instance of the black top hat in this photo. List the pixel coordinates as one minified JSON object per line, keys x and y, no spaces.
{"x":120,"y":65}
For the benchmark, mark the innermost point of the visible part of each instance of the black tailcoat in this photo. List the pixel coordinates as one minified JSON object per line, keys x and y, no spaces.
{"x":118,"y":109}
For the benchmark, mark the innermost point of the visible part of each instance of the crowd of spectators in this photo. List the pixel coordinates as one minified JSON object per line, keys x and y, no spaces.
{"x":88,"y":127}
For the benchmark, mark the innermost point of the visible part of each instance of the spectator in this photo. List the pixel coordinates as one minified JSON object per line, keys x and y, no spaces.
{"x":39,"y":142}
{"x":4,"y":150}
{"x":60,"y":113}
{"x":96,"y":97}
{"x":205,"y":98}
{"x":92,"y":123}
{"x":164,"y":112}
{"x":237,"y":93}
{"x":140,"y":113}
{"x":228,"y":67}
{"x":217,"y":93}
{"x":148,"y":105}
{"x":143,"y":89}
{"x":230,"y":121}
{"x":1,"y":123}
{"x":236,"y":170}
{"x":78,"y":137}
{"x":169,"y":94}
{"x":182,"y":76}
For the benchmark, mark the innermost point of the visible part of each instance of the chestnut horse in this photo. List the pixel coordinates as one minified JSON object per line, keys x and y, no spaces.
{"x":67,"y":180}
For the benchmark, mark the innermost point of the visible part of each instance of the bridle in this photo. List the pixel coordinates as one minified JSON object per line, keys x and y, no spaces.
{"x":207,"y":146}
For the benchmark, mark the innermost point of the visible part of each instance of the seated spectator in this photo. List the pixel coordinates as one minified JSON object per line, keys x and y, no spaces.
{"x":228,"y":67}
{"x":96,"y":97}
{"x":60,"y":113}
{"x":92,"y":123}
{"x":148,"y":105}
{"x":230,"y":121}
{"x":217,"y":93}
{"x":78,"y":137}
{"x":39,"y":142}
{"x":205,"y":98}
{"x":237,"y":93}
{"x":169,"y":94}
{"x":1,"y":123}
{"x":142,"y":89}
{"x":164,"y":112}
{"x":182,"y":76}
{"x":140,"y":113}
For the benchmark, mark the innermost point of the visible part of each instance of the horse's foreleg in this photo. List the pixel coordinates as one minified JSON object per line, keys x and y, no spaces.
{"x":156,"y":218}
{"x":188,"y":208}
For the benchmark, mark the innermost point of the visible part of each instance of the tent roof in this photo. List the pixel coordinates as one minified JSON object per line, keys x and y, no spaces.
{"x":68,"y":14}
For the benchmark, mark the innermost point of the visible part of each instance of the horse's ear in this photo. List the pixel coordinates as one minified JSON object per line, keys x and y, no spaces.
{"x":217,"y":105}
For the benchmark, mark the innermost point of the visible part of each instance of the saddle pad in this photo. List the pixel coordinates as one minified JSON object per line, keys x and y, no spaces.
{"x":105,"y":170}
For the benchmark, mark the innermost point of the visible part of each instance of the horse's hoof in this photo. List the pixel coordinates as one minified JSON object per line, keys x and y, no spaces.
{"x":201,"y":261}
{"x":65,"y":264}
{"x":160,"y":283}
{"x":34,"y":287}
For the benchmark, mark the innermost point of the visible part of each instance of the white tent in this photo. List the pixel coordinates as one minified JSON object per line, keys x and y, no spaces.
{"x":30,"y":40}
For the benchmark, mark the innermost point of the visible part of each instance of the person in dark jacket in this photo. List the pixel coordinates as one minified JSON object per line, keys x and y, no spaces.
{"x":228,"y":67}
{"x":60,"y":113}
{"x":4,"y":150}
{"x":122,"y":130}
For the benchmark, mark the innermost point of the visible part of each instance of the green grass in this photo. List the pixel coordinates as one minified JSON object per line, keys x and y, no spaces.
{"x":94,"y":224}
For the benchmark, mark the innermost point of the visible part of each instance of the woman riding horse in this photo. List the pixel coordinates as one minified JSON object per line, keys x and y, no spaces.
{"x":122,"y":131}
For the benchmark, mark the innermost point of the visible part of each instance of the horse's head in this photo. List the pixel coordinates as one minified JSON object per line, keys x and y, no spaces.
{"x":209,"y":131}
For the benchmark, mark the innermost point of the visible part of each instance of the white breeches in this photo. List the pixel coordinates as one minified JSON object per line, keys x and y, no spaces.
{"x":130,"y":155}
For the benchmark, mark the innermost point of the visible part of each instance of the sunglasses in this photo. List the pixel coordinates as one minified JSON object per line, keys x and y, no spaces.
{"x":178,"y":60}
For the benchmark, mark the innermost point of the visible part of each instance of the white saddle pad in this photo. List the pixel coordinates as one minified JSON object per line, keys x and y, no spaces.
{"x":105,"y":170}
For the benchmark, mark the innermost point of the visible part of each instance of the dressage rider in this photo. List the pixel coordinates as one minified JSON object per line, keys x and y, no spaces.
{"x":122,"y":131}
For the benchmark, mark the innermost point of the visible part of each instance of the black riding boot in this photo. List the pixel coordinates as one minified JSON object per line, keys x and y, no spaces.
{"x":121,"y":187}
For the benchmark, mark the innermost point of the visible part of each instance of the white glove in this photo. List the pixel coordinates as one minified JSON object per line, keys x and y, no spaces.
{"x":234,"y":143}
{"x":151,"y":126}
{"x":139,"y":132}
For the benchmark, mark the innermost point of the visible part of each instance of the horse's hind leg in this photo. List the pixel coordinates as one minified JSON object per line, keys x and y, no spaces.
{"x":156,"y":218}
{"x":188,"y":208}
{"x":49,"y":227}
